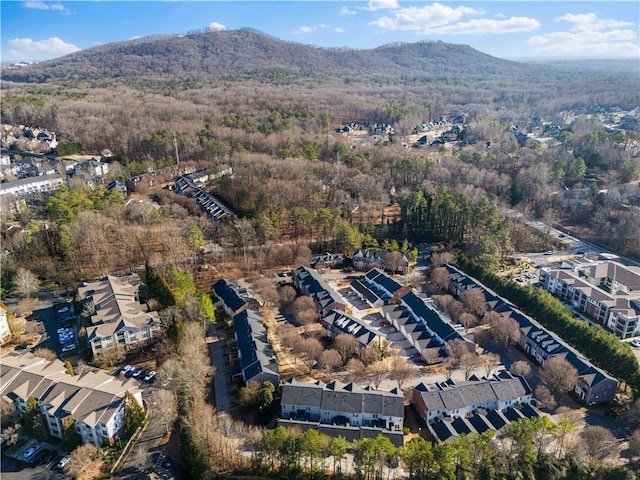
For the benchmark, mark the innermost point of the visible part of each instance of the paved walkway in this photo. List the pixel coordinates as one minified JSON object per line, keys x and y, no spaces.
{"x":222,"y":382}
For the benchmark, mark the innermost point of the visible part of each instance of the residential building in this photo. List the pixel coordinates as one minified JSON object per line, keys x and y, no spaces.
{"x":308,"y":282}
{"x":385,"y":287}
{"x":257,"y":362}
{"x":120,"y":320}
{"x":366,"y":294}
{"x":453,"y":408}
{"x":230,"y":296}
{"x":594,"y":385}
{"x":93,"y":400}
{"x":608,"y":292}
{"x":458,"y":399}
{"x":209,"y":204}
{"x":343,"y":409}
{"x":5,"y":331}
{"x":365,"y":259}
{"x":424,"y":327}
{"x":328,"y":260}
{"x":31,"y":185}
{"x":337,"y":322}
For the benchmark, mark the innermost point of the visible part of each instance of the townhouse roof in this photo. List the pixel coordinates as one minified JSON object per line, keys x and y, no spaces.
{"x":228,"y":292}
{"x":91,"y":397}
{"x":456,"y":396}
{"x":339,"y":397}
{"x":378,"y":278}
{"x":256,"y":354}
{"x":370,"y":295}
{"x":349,"y":324}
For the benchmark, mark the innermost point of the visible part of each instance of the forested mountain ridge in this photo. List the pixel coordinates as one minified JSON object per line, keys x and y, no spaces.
{"x":245,"y":51}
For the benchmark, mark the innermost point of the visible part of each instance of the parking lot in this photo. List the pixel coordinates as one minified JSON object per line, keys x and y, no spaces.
{"x":32,"y":460}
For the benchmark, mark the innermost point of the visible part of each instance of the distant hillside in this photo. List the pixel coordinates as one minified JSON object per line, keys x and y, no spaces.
{"x":247,"y":51}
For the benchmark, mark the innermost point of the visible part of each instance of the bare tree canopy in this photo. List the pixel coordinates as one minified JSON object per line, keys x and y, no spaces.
{"x":505,"y":331}
{"x":473,"y":299}
{"x":440,"y":278}
{"x":26,"y":283}
{"x":560,"y":373}
{"x":346,"y":345}
{"x":521,"y":367}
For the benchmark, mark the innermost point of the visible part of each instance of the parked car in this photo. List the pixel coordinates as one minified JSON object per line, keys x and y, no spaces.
{"x":139,"y":372}
{"x":549,"y":252}
{"x":384,"y":323}
{"x":68,"y":347}
{"x":635,"y":343}
{"x":63,"y":462}
{"x":132,"y":371}
{"x":149,"y":375}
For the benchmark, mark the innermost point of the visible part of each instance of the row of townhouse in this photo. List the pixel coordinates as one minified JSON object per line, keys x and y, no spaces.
{"x":479,"y":404}
{"x":343,"y":409}
{"x":119,"y":320}
{"x":256,"y":359}
{"x":308,"y":282}
{"x":594,"y":385}
{"x":419,"y":321}
{"x":93,"y":400}
{"x":608,"y":292}
{"x":31,"y":185}
{"x":425,"y":328}
{"x":337,"y":322}
{"x":365,"y":259}
{"x":257,"y":362}
{"x":209,"y":204}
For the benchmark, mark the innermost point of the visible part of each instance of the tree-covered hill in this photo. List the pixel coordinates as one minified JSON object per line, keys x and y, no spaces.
{"x":246,"y":51}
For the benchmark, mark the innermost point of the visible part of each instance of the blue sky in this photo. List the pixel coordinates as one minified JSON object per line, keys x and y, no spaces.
{"x":40,"y":30}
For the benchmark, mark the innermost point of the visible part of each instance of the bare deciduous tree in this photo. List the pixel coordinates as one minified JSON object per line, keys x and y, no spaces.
{"x":355,"y":367}
{"x":545,"y":397}
{"x":521,"y":367}
{"x":599,"y":443}
{"x":304,"y":310}
{"x":165,"y":404}
{"x":455,"y":310}
{"x":377,"y":372}
{"x":443,"y":301}
{"x":81,"y":458}
{"x":473,"y":299}
{"x":141,"y":458}
{"x":346,"y":345}
{"x":45,"y":353}
{"x":287,"y":295}
{"x":489,"y":361}
{"x":25,"y":282}
{"x":330,"y":359}
{"x":401,"y":369}
{"x":560,"y":373}
{"x":505,"y":331}
{"x":440,"y":258}
{"x":309,"y":349}
{"x":467,"y":320}
{"x":440,"y":278}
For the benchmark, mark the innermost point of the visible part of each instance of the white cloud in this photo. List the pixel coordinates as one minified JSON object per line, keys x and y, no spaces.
{"x":216,"y":27}
{"x":346,"y":11}
{"x":481,"y":26}
{"x":46,"y":6}
{"x":584,"y":22}
{"x":381,"y":5}
{"x":338,"y":30}
{"x":27,"y":49}
{"x":424,"y":18}
{"x":589,"y":35}
{"x":309,"y":28}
